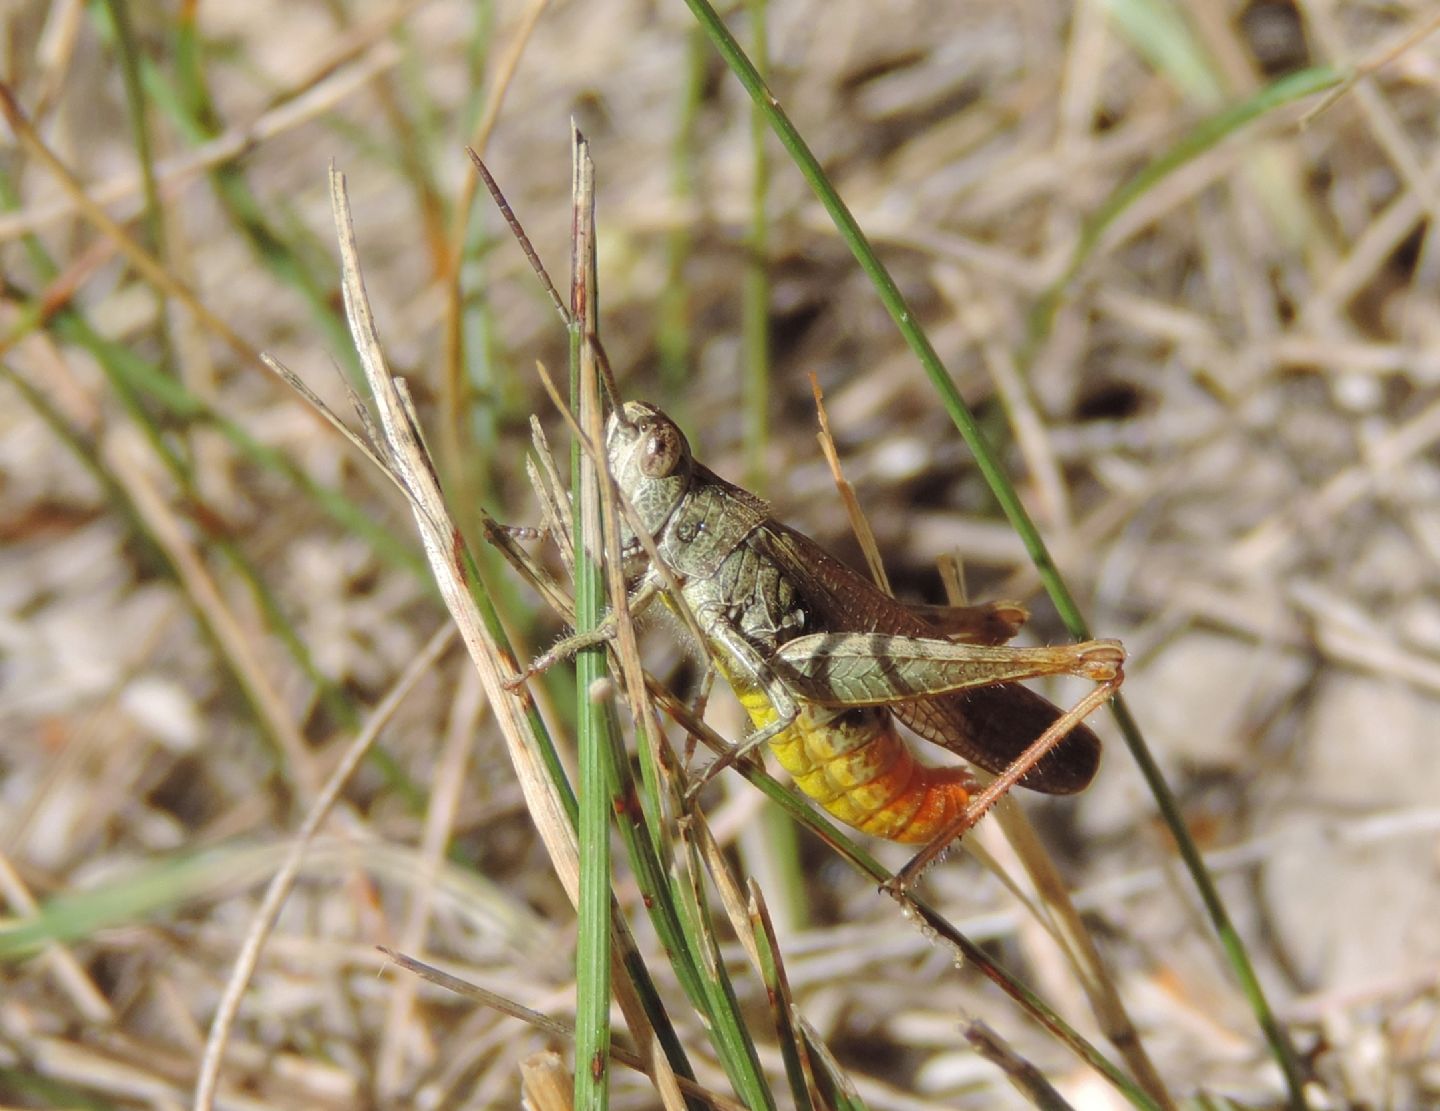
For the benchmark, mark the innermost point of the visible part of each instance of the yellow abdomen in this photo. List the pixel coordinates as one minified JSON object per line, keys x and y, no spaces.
{"x":859,"y":769}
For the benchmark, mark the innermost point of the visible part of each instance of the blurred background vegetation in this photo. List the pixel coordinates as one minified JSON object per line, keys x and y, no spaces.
{"x":1194,"y":310}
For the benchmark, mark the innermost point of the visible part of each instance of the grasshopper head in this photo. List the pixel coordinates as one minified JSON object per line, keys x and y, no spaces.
{"x":651,"y":462}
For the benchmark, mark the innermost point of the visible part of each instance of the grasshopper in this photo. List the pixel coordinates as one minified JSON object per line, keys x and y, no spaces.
{"x":825,"y":663}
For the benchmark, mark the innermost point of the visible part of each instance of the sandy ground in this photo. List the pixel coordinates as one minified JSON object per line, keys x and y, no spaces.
{"x":1227,"y":436}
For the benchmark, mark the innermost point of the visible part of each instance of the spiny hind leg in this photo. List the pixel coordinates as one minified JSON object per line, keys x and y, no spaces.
{"x":982,"y":803}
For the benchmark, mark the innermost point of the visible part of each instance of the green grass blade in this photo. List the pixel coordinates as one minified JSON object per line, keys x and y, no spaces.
{"x":1160,"y":32}
{"x":594,"y":733}
{"x":866,"y":866}
{"x":734,"y":1042}
{"x":995,"y":477}
{"x":672,"y":312}
{"x":1205,"y":136}
{"x":755,"y":294}
{"x":777,"y":990}
{"x":893,"y":300}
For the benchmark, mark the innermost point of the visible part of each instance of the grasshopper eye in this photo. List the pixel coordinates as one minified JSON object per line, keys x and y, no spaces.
{"x":664,"y":449}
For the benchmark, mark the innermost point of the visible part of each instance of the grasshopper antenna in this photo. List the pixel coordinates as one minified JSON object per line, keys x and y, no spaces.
{"x":519,"y":233}
{"x":607,"y":376}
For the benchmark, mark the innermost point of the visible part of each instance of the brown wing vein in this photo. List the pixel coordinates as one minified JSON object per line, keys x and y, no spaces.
{"x":989,"y":726}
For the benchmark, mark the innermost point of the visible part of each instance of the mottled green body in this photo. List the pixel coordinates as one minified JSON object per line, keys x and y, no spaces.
{"x":825,"y":663}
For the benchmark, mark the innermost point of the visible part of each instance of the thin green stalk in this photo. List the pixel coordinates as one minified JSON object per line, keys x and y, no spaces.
{"x":782,"y":847}
{"x":192,"y":111}
{"x":642,"y":831}
{"x":719,"y":990}
{"x":777,"y":991}
{"x":1007,"y":497}
{"x":755,"y":306}
{"x":649,"y":874}
{"x":672,"y":314}
{"x":128,"y":53}
{"x":592,"y":957}
{"x":686,"y":936}
{"x":1203,"y":137}
{"x":593,"y":734}
{"x":850,"y":851}
{"x":605,"y":786}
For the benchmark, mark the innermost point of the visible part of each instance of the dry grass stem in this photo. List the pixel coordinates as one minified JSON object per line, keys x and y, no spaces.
{"x":1226,"y":422}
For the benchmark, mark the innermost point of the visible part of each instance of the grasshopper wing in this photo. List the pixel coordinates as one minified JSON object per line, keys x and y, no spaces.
{"x":990,"y":726}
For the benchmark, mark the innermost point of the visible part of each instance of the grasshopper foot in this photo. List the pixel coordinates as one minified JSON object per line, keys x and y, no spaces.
{"x":706,"y":774}
{"x":895,"y":887}
{"x":523,"y":676}
{"x":714,"y":768}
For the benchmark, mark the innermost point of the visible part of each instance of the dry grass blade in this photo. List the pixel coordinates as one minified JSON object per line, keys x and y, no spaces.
{"x":552,"y":1026}
{"x":1022,"y":1073}
{"x":207,"y":1084}
{"x":782,"y":1005}
{"x":406,"y":460}
{"x":154,"y":270}
{"x":859,"y":525}
{"x":405,"y":456}
{"x":546,"y":1082}
{"x":1231,"y":414}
